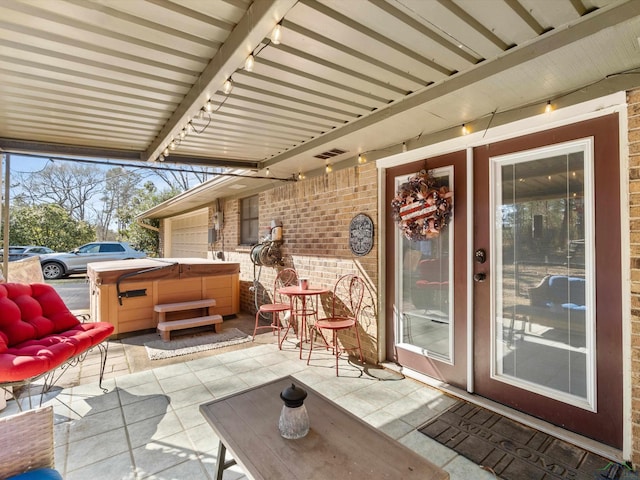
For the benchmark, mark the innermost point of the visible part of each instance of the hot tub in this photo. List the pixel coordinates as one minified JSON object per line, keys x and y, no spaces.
{"x":124,"y":292}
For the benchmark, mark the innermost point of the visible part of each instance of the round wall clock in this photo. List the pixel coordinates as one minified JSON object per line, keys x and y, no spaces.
{"x":361,"y":234}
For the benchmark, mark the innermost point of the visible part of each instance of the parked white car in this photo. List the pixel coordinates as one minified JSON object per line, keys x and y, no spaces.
{"x":58,"y":265}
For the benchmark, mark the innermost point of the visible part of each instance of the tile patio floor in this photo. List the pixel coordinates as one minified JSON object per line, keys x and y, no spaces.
{"x":148,"y":426}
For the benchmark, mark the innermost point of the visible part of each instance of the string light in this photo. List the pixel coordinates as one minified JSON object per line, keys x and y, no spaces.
{"x":228,"y":86}
{"x":276,"y":34}
{"x":301,"y":176}
{"x":249,"y":63}
{"x":275,"y":37}
{"x":267,"y":173}
{"x":328,"y":168}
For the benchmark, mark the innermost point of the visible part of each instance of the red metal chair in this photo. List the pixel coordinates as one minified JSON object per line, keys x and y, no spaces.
{"x":345,"y":309}
{"x":285,"y":278}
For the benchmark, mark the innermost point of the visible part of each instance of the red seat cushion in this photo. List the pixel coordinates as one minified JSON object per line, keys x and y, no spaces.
{"x":31,"y":359}
{"x":39,"y":333}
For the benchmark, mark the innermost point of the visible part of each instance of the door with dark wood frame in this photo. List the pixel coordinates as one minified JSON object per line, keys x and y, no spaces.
{"x":547,"y":298}
{"x":426,"y":280}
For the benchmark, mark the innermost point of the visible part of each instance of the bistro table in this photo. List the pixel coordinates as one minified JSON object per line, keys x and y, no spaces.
{"x":304,"y":312}
{"x":338,"y":445}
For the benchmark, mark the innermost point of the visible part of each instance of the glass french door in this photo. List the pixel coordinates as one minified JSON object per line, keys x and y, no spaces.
{"x":547,"y":305}
{"x":542,"y":268}
{"x":543,"y":283}
{"x":427,"y":306}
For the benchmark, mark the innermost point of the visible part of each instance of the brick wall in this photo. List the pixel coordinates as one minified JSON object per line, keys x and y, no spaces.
{"x":315,"y":215}
{"x":633,"y":101}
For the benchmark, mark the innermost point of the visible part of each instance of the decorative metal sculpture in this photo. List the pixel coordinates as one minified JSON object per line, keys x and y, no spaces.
{"x":361,"y":234}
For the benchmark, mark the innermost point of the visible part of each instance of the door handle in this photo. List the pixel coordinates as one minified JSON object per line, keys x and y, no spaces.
{"x":480,"y":277}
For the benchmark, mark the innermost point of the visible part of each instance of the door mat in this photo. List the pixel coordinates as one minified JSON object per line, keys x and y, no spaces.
{"x":514,"y":451}
{"x":157,"y":349}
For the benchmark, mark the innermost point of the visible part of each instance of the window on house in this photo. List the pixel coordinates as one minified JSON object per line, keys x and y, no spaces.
{"x":249,"y":220}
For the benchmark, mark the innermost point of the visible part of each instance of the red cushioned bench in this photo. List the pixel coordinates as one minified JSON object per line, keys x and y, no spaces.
{"x":38,"y":334}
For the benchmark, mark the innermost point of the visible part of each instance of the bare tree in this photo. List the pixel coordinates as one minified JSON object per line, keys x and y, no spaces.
{"x":120,"y":188}
{"x":72,"y":186}
{"x":106,"y":199}
{"x":184,"y":177}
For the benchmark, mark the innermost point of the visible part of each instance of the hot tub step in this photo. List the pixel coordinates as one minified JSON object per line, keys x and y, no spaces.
{"x":165,"y":328}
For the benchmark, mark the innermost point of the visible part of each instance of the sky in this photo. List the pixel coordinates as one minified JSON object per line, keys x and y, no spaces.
{"x":28,"y":164}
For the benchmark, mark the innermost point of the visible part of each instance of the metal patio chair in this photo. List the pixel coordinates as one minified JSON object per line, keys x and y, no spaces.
{"x":346,"y":303}
{"x":286,"y":277}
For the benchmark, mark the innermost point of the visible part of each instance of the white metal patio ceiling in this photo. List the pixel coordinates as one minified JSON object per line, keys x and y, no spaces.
{"x":121,"y":79}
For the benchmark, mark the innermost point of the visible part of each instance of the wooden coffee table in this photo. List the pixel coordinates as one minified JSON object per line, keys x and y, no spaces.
{"x":339,"y":444}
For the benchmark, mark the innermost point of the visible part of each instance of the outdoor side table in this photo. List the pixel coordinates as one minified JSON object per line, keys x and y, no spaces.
{"x":304,"y":312}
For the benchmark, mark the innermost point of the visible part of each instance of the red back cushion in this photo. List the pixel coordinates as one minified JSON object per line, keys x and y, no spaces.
{"x":31,"y":312}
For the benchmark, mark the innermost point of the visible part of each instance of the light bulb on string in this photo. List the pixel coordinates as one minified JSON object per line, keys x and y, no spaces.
{"x":249,"y":63}
{"x":267,"y":173}
{"x":161,"y":158}
{"x":208,"y":107}
{"x":328,"y":168}
{"x":165,"y":152}
{"x":276,"y":34}
{"x":464,"y":130}
{"x":228,"y":86}
{"x":548,"y":108}
{"x":172,"y":145}
{"x":190,"y":128}
{"x":361,"y":159}
{"x":182,"y":134}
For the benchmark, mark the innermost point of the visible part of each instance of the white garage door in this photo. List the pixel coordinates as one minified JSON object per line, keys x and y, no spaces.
{"x":189,"y":235}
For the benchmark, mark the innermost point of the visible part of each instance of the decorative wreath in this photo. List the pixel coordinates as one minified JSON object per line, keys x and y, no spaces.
{"x":422,"y":208}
